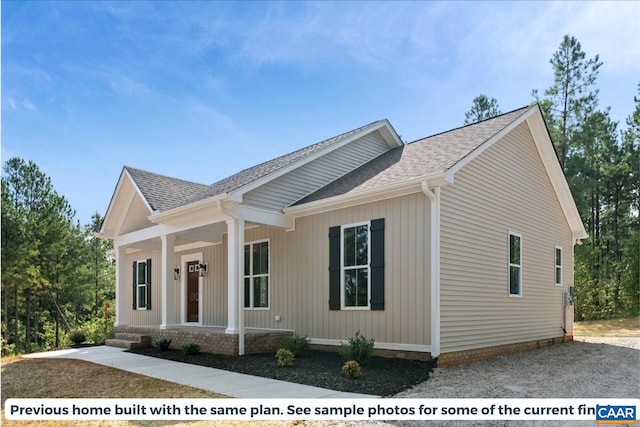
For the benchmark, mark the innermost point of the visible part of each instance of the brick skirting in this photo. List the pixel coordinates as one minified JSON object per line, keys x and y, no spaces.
{"x":478,"y":354}
{"x":211,"y":341}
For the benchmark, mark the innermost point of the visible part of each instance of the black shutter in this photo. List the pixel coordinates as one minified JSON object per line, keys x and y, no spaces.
{"x":334,"y":268}
{"x":149,"y":284}
{"x":377,"y":264}
{"x":135,"y":282}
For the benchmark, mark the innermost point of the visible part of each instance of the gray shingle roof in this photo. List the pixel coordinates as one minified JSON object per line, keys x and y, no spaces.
{"x":164,"y":193}
{"x":427,"y":156}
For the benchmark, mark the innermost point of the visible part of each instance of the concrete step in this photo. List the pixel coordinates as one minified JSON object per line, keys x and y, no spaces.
{"x":129,"y":341}
{"x":115,"y":342}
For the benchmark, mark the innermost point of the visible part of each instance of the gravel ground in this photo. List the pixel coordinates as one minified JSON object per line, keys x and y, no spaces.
{"x":590,"y":368}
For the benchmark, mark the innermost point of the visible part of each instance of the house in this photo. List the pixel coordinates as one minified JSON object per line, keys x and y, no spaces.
{"x":457,"y":246}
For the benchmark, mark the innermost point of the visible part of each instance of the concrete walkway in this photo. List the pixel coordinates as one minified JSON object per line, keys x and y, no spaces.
{"x":215,"y":380}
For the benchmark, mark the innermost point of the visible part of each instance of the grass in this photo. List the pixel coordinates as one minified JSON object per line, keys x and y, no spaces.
{"x":629,"y":327}
{"x":63,"y":378}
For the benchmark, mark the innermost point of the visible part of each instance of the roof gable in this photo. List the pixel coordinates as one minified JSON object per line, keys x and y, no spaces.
{"x":419,"y":159}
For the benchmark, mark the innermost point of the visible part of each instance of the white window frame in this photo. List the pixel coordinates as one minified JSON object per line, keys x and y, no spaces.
{"x":251,"y":276}
{"x":558,"y":267}
{"x":142,"y":285}
{"x":344,"y":268}
{"x":510,"y":265}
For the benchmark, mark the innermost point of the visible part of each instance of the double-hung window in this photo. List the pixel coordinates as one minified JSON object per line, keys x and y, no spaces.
{"x":142,"y":285}
{"x":256,"y":275}
{"x":356,"y":266}
{"x":356,"y":286}
{"x":515,"y":264}
{"x":558,"y":269}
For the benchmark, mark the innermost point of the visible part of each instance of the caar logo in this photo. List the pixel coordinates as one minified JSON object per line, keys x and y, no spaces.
{"x":615,"y":414}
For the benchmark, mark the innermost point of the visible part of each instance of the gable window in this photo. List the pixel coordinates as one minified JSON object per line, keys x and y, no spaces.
{"x":256,"y":275}
{"x":356,"y":266}
{"x":558,"y":269}
{"x":142,"y":285}
{"x":515,"y":264}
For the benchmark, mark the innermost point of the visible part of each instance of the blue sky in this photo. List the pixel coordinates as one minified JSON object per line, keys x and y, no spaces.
{"x":202,"y":90}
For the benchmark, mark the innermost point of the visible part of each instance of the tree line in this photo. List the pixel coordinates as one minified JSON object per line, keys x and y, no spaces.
{"x":56,"y":276}
{"x":602,"y":166}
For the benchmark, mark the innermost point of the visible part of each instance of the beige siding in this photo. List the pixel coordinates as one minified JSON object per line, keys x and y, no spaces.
{"x":300,"y":182}
{"x":504,"y":189}
{"x":300,"y":276}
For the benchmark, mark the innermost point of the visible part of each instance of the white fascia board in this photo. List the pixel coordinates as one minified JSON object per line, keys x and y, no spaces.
{"x":488,"y":143}
{"x":389,"y":135}
{"x":120,"y":187}
{"x":263,"y":216}
{"x":403,"y":188}
{"x":135,"y":186}
{"x":556,"y":175}
{"x":172,"y":215}
{"x":141,"y":235}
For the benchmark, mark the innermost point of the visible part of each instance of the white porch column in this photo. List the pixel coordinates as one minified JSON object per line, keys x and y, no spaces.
{"x":235,"y":278}
{"x":122,"y":286}
{"x":168,"y":302}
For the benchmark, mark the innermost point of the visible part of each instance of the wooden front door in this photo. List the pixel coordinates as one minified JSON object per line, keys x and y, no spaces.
{"x":193,"y":292}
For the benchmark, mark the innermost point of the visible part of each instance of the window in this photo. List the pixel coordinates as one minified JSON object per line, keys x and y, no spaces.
{"x":558,"y":256}
{"x":515,"y":264}
{"x":142,"y":285}
{"x":356,"y":266}
{"x":256,"y":275}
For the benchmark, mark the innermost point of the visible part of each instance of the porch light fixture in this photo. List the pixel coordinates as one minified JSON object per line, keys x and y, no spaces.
{"x":202,"y":269}
{"x":176,"y":273}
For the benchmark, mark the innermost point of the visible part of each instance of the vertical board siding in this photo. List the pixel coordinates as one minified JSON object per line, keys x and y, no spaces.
{"x":145,"y":317}
{"x":300,"y":182}
{"x":299,"y":275}
{"x":504,"y":189}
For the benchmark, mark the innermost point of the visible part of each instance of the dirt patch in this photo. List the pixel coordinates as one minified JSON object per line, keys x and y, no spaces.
{"x":381,"y":376}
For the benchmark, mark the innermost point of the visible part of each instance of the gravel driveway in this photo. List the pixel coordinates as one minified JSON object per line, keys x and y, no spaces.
{"x":590,"y":368}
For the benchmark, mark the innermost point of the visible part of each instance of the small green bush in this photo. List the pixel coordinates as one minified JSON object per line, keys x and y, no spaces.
{"x":359,"y":349}
{"x":351,"y":369}
{"x":284,"y":357}
{"x":163,"y":344}
{"x":191,"y":349}
{"x":295,"y":344}
{"x":77,"y":336}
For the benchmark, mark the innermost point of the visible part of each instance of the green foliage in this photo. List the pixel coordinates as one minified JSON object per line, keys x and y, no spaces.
{"x":284,"y":357}
{"x":482,"y":108}
{"x":163,"y":344}
{"x":295,"y":344}
{"x":55,"y":274}
{"x":77,"y":336}
{"x":351,"y":369}
{"x":191,"y":349}
{"x":359,"y":349}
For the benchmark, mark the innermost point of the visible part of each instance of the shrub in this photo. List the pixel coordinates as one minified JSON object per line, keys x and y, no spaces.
{"x":163,"y":344}
{"x":285,"y":357}
{"x":359,"y":349}
{"x":77,"y":336}
{"x":295,"y":344}
{"x":351,"y":369}
{"x":191,"y":349}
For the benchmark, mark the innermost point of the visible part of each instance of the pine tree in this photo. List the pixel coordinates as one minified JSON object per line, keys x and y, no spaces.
{"x":482,"y":108}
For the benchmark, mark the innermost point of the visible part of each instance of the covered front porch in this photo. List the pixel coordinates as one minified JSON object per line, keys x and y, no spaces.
{"x":188,"y":281}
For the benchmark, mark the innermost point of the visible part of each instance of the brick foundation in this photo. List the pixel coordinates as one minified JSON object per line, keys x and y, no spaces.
{"x":211,"y":341}
{"x":478,"y":354}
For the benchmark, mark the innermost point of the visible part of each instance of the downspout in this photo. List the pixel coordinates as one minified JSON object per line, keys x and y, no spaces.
{"x":434,"y":198}
{"x":241,"y":327}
